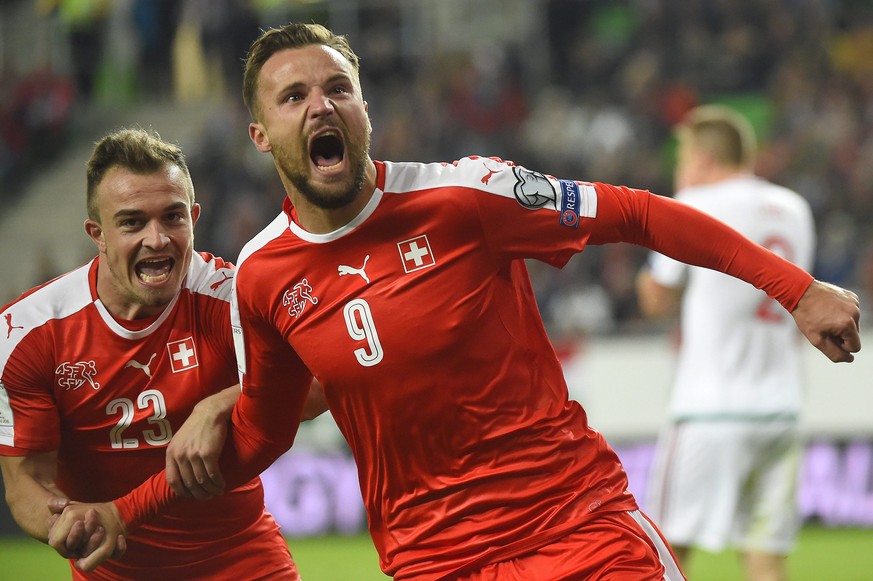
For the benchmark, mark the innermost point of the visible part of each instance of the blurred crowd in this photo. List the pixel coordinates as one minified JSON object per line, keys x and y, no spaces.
{"x":588,"y":89}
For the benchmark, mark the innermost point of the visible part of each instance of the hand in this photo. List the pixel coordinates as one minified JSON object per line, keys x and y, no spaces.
{"x":315,"y":404}
{"x":828,"y":316}
{"x":73,"y":545}
{"x":89,"y":533}
{"x":193,"y":453}
{"x":56,"y":505}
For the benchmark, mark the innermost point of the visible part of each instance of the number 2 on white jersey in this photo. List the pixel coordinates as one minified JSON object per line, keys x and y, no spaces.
{"x":361,"y":327}
{"x":150,"y":398}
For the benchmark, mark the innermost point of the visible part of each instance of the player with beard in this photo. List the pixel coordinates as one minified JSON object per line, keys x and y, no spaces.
{"x":107,"y":362}
{"x":473,"y":462}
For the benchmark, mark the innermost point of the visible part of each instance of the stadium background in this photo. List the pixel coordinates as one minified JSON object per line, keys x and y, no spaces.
{"x":577,"y":88}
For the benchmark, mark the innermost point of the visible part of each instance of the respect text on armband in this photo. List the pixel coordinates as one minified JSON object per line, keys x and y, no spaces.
{"x":569,"y":204}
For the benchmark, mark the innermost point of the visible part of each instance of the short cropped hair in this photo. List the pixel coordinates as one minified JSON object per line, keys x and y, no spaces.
{"x":293,"y":35}
{"x":726,"y":135}
{"x":137,"y":150}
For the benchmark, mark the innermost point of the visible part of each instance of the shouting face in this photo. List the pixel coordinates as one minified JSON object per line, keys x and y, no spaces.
{"x":145,"y":237}
{"x":314,"y":121}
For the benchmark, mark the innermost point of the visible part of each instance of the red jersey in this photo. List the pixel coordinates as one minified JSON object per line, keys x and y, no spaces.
{"x":419,"y":320}
{"x":108,"y":395}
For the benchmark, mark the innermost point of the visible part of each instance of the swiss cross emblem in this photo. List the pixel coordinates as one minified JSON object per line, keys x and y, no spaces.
{"x":183,"y":355}
{"x":416,"y":253}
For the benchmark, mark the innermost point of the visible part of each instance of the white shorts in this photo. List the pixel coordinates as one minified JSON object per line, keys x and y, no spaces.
{"x":725,"y":483}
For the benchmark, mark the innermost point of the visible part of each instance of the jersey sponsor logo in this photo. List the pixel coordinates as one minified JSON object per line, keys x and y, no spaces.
{"x":416,"y":253}
{"x":343,"y":270}
{"x":533,"y":190}
{"x":9,"y":326}
{"x":214,"y":286}
{"x":183,"y":354}
{"x":487,"y":177}
{"x":297,"y":297}
{"x":72,"y":376}
{"x":569,"y":204}
{"x":144,"y":367}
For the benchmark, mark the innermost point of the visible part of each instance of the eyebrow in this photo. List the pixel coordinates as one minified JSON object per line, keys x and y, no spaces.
{"x":124,"y":213}
{"x":332,"y":79}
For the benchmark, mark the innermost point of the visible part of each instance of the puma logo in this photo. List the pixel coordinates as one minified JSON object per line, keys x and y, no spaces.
{"x":143,"y":367}
{"x":344,"y":270}
{"x":218,"y":283}
{"x":487,"y":177}
{"x":10,"y":326}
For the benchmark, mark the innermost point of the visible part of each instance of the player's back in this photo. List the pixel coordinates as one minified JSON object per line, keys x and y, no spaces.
{"x":740,"y":349}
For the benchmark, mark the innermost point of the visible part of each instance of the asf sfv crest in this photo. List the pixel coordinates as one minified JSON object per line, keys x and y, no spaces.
{"x":297,"y":297}
{"x":72,"y":376}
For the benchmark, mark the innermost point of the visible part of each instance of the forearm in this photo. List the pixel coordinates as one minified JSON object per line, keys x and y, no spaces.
{"x":219,"y":406}
{"x":240,"y":462}
{"x":29,"y":507}
{"x":28,"y":490}
{"x":688,"y":235}
{"x":260,"y":431}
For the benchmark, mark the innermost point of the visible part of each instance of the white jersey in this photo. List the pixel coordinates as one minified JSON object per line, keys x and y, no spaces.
{"x":740,"y":350}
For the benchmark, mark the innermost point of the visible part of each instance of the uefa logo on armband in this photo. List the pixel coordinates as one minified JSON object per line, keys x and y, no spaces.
{"x":569,"y":204}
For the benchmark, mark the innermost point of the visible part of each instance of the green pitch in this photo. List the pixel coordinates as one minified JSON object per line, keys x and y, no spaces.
{"x":840,"y":554}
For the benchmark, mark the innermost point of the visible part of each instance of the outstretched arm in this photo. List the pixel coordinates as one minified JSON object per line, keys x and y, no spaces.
{"x":829,"y":317}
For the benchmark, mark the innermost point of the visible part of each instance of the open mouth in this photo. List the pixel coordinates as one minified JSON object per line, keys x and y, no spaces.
{"x":327,"y":151}
{"x":154,"y":270}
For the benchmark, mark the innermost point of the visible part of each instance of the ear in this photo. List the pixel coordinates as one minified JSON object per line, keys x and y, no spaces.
{"x":195,"y":214}
{"x":369,"y":121}
{"x":259,"y":137}
{"x":95,"y":233}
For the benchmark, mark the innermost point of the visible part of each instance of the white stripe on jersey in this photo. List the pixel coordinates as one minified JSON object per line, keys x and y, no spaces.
{"x":273,"y":230}
{"x":486,"y":174}
{"x":671,"y":568}
{"x":58,"y":299}
{"x":208,"y":279}
{"x":7,"y":420}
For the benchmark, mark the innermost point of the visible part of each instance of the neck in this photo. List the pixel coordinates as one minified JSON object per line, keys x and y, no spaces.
{"x":712,"y":176}
{"x":318,"y":220}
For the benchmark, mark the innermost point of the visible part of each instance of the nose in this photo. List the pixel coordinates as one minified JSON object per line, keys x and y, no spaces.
{"x":320,"y":104}
{"x":155,"y":237}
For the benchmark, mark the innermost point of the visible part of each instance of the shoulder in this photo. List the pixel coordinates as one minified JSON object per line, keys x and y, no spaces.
{"x":746,"y":190}
{"x":274,"y":230}
{"x":210,"y":275}
{"x":28,"y":316}
{"x":786,"y":195}
{"x":483,"y":173}
{"x":55,"y":299}
{"x":781,"y":202}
